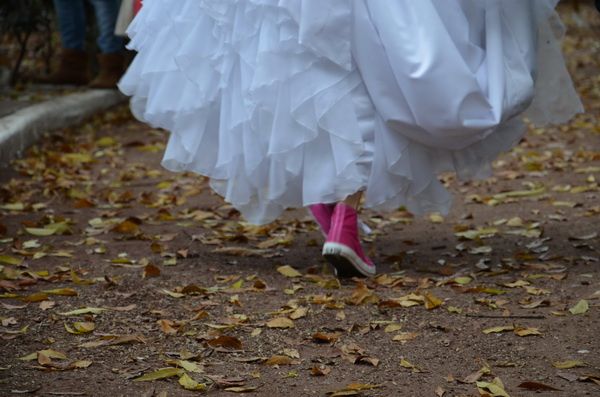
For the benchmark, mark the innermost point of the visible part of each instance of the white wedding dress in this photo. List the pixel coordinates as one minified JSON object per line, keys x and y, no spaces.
{"x":287,"y":103}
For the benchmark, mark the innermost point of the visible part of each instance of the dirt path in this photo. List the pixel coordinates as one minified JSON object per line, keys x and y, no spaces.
{"x":506,"y":289}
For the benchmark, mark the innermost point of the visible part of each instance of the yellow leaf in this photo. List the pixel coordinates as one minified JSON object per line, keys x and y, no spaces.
{"x":431,"y":301}
{"x":12,"y":207}
{"x":84,"y":310}
{"x":29,"y":357}
{"x":40,"y":232}
{"x":81,"y":327}
{"x":501,"y":328}
{"x":436,"y":218}
{"x":160,"y":374}
{"x":568,"y":364}
{"x":580,"y":308}
{"x":81,"y":364}
{"x":106,"y":141}
{"x":190,"y":384}
{"x":289,"y":271}
{"x":406,"y":364}
{"x":462,"y":280}
{"x":392,"y":328}
{"x":280,"y":322}
{"x":10,"y":260}
{"x":189,"y":366}
{"x":61,"y":292}
{"x":53,"y":354}
{"x":496,"y":388}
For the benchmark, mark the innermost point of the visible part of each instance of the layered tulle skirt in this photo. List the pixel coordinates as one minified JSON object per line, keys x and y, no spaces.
{"x":287,"y":103}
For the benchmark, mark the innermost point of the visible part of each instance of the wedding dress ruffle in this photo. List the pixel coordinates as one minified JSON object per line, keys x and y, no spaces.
{"x":287,"y":103}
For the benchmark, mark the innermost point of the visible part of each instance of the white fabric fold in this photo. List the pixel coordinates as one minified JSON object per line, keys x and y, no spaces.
{"x":287,"y":103}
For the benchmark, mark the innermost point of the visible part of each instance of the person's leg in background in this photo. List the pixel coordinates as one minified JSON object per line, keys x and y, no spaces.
{"x":73,"y":60}
{"x":111,"y":57}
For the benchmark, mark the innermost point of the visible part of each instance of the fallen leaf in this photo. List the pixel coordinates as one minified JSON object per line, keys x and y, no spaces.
{"x":280,"y":322}
{"x":568,"y":364}
{"x":326,"y":337}
{"x":80,"y":327}
{"x":228,"y":342}
{"x":496,"y":388}
{"x":432,"y":302}
{"x":536,"y":386}
{"x":84,"y":310}
{"x":498,"y":329}
{"x":241,"y":389}
{"x":61,"y":292}
{"x":279,"y":360}
{"x":523,"y":331}
{"x":320,"y":370}
{"x":289,"y":271}
{"x":190,"y":384}
{"x":160,"y":374}
{"x":580,"y":308}
{"x":405,"y":336}
{"x":151,"y":271}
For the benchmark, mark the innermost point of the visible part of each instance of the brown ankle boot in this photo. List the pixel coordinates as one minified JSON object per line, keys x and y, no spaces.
{"x":111,"y":70}
{"x":72,"y":69}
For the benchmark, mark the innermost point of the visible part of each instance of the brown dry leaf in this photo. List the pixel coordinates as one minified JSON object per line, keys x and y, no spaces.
{"x":79,"y":364}
{"x":523,"y":331}
{"x":475,"y":376}
{"x":280,"y":322}
{"x":45,"y":305}
{"x":128,"y":226}
{"x":320,"y":370}
{"x":35,"y":297}
{"x":113,"y":340}
{"x":353,"y":389}
{"x":151,"y":271}
{"x":362,"y":295}
{"x":242,"y":251}
{"x":405,"y":336}
{"x":228,"y":342}
{"x":536,"y":386}
{"x":166,"y":326}
{"x":280,"y":360}
{"x":160,"y":374}
{"x":326,"y":337}
{"x":439,"y":391}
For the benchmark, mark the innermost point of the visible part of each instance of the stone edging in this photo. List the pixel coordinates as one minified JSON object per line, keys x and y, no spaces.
{"x":21,"y":129}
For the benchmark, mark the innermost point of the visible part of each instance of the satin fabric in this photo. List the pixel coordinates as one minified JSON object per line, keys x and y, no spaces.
{"x":287,"y":103}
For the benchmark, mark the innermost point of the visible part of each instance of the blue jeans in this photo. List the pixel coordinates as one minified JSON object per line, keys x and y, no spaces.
{"x":72,"y":24}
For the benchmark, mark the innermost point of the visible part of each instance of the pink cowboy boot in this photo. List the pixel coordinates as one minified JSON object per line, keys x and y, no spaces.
{"x":342,"y":248}
{"x":322,"y":214}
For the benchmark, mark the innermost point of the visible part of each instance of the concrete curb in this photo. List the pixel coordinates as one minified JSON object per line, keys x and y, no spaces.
{"x":22,"y":128}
